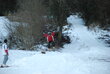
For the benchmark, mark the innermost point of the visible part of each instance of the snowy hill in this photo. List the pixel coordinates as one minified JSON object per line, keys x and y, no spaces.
{"x":3,"y":31}
{"x":85,"y":55}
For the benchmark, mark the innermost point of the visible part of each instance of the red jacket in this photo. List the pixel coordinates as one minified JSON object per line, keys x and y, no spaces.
{"x":49,"y":37}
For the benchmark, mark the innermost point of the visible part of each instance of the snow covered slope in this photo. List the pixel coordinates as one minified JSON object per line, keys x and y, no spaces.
{"x":85,"y":55}
{"x":3,"y":31}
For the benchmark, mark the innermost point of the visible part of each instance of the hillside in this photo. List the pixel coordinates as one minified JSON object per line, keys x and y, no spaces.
{"x":85,"y":55}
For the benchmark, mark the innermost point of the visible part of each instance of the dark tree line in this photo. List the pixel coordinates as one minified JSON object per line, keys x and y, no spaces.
{"x":93,"y":11}
{"x":7,"y":6}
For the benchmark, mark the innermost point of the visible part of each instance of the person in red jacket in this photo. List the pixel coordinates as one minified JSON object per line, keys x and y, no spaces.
{"x":50,"y":39}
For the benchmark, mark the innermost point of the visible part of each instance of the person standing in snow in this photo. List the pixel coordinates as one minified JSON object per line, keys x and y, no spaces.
{"x":5,"y":53}
{"x":50,"y":39}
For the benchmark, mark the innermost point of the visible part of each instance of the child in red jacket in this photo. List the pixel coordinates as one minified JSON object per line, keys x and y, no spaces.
{"x":50,"y":39}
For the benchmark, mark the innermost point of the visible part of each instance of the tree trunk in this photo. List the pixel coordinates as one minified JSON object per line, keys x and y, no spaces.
{"x":59,"y":41}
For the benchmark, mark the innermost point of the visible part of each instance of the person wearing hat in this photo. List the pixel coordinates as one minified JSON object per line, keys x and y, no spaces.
{"x":50,"y":39}
{"x":5,"y":53}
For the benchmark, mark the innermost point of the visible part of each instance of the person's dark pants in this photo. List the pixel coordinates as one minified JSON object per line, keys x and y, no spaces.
{"x":5,"y":59}
{"x":51,"y":44}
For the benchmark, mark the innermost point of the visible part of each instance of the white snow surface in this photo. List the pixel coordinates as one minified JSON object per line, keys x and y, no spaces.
{"x":85,"y":55}
{"x":3,"y":31}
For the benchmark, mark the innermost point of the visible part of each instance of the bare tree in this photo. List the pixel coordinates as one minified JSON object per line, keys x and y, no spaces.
{"x":30,"y":16}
